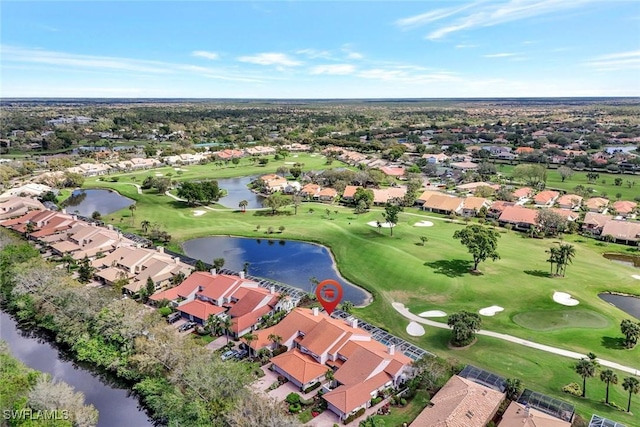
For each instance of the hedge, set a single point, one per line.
(311, 387)
(352, 417)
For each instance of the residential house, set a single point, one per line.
(466, 165)
(523, 194)
(546, 198)
(292, 187)
(260, 150)
(460, 402)
(228, 154)
(624, 208)
(524, 150)
(382, 196)
(567, 214)
(90, 169)
(349, 192)
(327, 194)
(28, 190)
(273, 183)
(310, 191)
(395, 171)
(426, 195)
(520, 218)
(569, 201)
(519, 415)
(316, 342)
(472, 187)
(16, 206)
(444, 204)
(622, 231)
(471, 205)
(597, 204)
(594, 222)
(436, 158)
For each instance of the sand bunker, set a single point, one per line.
(383, 224)
(636, 276)
(159, 174)
(415, 329)
(490, 311)
(289, 163)
(198, 213)
(433, 313)
(423, 224)
(564, 299)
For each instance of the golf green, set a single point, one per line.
(547, 320)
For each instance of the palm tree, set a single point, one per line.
(243, 205)
(249, 338)
(586, 369)
(145, 224)
(314, 283)
(276, 339)
(329, 375)
(68, 259)
(245, 268)
(567, 252)
(513, 388)
(226, 324)
(424, 239)
(632, 385)
(213, 324)
(132, 208)
(346, 306)
(609, 377)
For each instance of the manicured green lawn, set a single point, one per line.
(547, 320)
(604, 186)
(401, 415)
(436, 276)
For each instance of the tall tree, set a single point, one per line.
(565, 172)
(226, 325)
(533, 175)
(243, 205)
(481, 242)
(632, 385)
(132, 208)
(218, 263)
(85, 272)
(296, 199)
(145, 224)
(390, 214)
(609, 377)
(275, 202)
(586, 369)
(566, 254)
(513, 388)
(551, 223)
(631, 331)
(463, 327)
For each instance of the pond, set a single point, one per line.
(114, 403)
(85, 202)
(237, 191)
(628, 304)
(629, 260)
(286, 261)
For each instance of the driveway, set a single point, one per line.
(263, 383)
(217, 344)
(325, 419)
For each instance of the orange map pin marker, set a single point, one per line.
(329, 293)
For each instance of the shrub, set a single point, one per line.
(293, 398)
(376, 400)
(573, 388)
(352, 417)
(306, 402)
(294, 408)
(311, 387)
(259, 373)
(403, 401)
(165, 311)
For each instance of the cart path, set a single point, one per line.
(400, 308)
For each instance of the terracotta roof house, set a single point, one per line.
(523, 193)
(310, 191)
(569, 201)
(471, 205)
(460, 403)
(594, 222)
(519, 415)
(14, 207)
(273, 183)
(228, 154)
(396, 171)
(472, 187)
(567, 214)
(426, 195)
(622, 231)
(464, 165)
(363, 366)
(349, 192)
(522, 219)
(498, 207)
(546, 198)
(382, 196)
(596, 204)
(443, 204)
(524, 150)
(327, 194)
(435, 158)
(624, 207)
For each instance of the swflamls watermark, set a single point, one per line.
(30, 414)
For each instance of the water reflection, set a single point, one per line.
(290, 262)
(85, 202)
(237, 191)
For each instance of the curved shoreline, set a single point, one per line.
(334, 265)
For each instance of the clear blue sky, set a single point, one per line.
(320, 49)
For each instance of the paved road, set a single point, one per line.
(400, 308)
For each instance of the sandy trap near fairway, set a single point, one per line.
(382, 224)
(491, 311)
(423, 224)
(433, 313)
(636, 276)
(565, 299)
(199, 213)
(415, 329)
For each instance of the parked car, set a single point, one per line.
(229, 354)
(173, 317)
(187, 326)
(241, 354)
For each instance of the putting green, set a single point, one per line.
(547, 320)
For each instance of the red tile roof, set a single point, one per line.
(518, 215)
(200, 309)
(299, 366)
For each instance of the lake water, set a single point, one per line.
(286, 261)
(115, 405)
(628, 304)
(237, 191)
(629, 260)
(620, 148)
(88, 201)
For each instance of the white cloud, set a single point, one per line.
(500, 55)
(616, 61)
(270, 58)
(205, 54)
(314, 53)
(495, 13)
(432, 16)
(351, 54)
(333, 69)
(466, 46)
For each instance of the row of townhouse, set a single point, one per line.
(381, 196)
(438, 202)
(316, 343)
(205, 294)
(90, 169)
